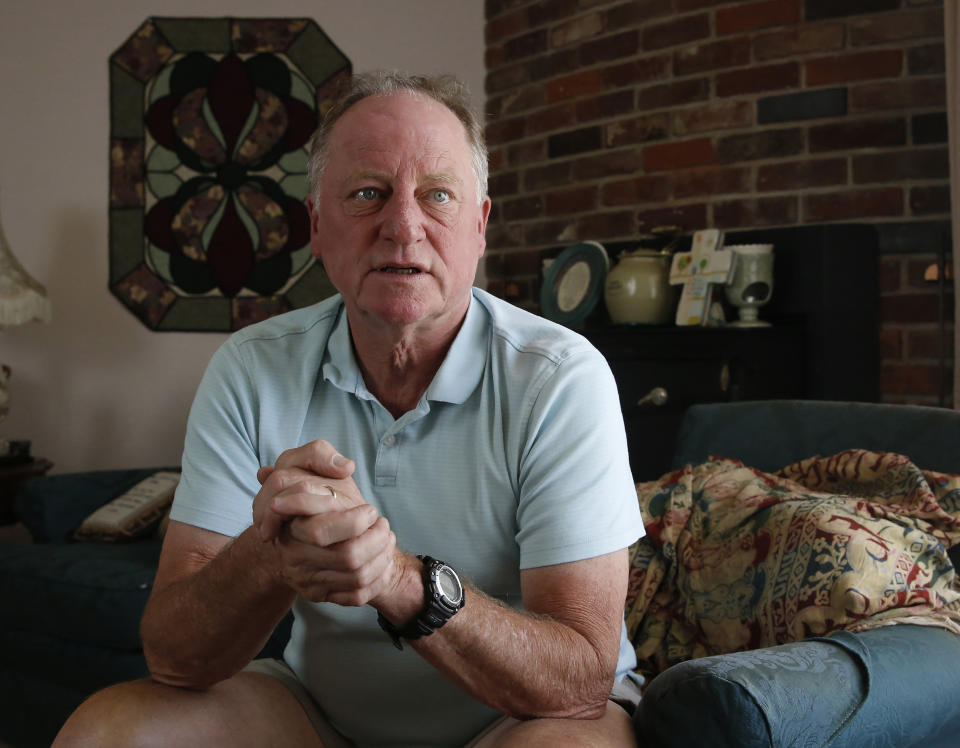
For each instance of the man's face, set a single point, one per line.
(399, 227)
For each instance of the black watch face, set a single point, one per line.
(449, 585)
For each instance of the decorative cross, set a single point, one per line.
(704, 265)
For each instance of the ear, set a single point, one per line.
(482, 225)
(314, 227)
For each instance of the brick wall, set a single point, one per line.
(606, 119)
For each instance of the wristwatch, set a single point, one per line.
(444, 596)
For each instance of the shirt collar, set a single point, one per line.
(455, 380)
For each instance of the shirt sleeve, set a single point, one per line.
(220, 460)
(577, 496)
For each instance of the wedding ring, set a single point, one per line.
(332, 490)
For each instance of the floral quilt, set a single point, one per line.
(737, 559)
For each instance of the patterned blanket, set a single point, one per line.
(737, 559)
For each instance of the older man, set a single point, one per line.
(335, 453)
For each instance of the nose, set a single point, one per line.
(402, 220)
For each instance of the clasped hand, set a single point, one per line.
(332, 546)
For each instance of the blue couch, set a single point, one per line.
(71, 610)
(891, 686)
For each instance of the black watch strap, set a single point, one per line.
(436, 611)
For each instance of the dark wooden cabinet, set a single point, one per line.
(694, 365)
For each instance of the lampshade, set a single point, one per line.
(22, 298)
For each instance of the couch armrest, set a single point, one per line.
(896, 684)
(52, 506)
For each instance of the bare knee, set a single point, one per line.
(118, 715)
(242, 711)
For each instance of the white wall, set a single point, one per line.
(96, 389)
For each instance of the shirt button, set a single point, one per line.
(390, 440)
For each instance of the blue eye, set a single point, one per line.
(366, 194)
(440, 196)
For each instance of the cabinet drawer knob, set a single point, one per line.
(656, 396)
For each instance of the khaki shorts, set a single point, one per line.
(626, 693)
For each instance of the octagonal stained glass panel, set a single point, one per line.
(210, 122)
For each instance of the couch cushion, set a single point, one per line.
(52, 506)
(88, 592)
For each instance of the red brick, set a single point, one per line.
(526, 152)
(494, 57)
(764, 78)
(615, 104)
(684, 5)
(529, 97)
(889, 274)
(717, 115)
(679, 155)
(877, 133)
(750, 16)
(916, 267)
(676, 93)
(836, 206)
(548, 11)
(752, 146)
(799, 40)
(794, 175)
(929, 59)
(712, 181)
(505, 130)
(928, 200)
(506, 26)
(909, 308)
(712, 56)
(576, 30)
(607, 164)
(676, 31)
(551, 175)
(637, 12)
(906, 24)
(925, 163)
(910, 379)
(763, 211)
(637, 72)
(499, 80)
(887, 63)
(505, 183)
(900, 94)
(576, 200)
(891, 344)
(606, 225)
(636, 190)
(553, 65)
(578, 84)
(534, 43)
(613, 47)
(926, 344)
(549, 232)
(688, 217)
(497, 159)
(637, 129)
(552, 118)
(521, 263)
(518, 209)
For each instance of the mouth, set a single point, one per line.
(399, 270)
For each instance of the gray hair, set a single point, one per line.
(446, 89)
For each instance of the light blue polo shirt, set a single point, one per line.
(514, 458)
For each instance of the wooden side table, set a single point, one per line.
(11, 477)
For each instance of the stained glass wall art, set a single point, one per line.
(210, 121)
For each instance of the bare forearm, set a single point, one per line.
(522, 665)
(206, 626)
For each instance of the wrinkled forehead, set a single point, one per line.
(401, 119)
(400, 132)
